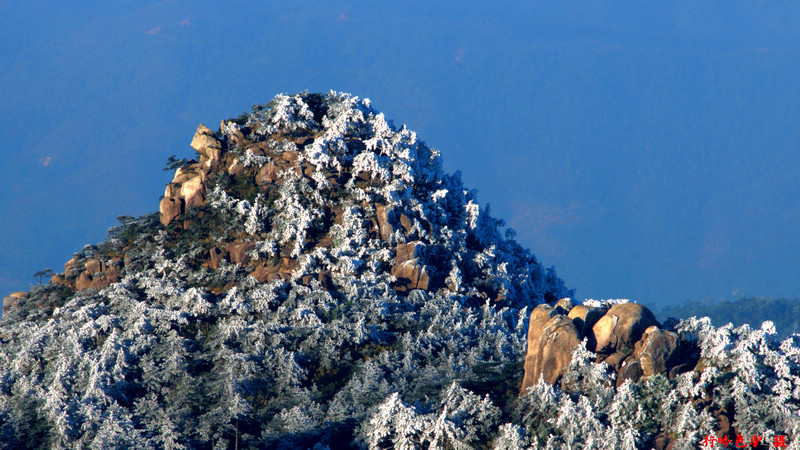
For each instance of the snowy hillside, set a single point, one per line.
(315, 280)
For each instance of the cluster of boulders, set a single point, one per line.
(80, 273)
(626, 336)
(188, 186)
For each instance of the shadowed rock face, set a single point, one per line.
(584, 318)
(631, 369)
(384, 215)
(626, 336)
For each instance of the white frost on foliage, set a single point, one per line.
(288, 113)
(193, 350)
(397, 422)
(345, 114)
(607, 303)
(473, 211)
(249, 159)
(510, 437)
(368, 162)
(230, 128)
(317, 153)
(220, 199)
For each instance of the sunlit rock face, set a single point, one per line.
(625, 336)
(188, 186)
(621, 327)
(552, 337)
(657, 351)
(12, 299)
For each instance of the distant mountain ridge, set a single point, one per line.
(783, 312)
(314, 279)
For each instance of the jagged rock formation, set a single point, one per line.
(552, 337)
(188, 186)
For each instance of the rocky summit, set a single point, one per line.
(314, 279)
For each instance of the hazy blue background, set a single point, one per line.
(648, 150)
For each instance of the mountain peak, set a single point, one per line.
(314, 279)
(312, 188)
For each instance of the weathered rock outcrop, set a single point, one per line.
(620, 328)
(552, 337)
(188, 186)
(82, 274)
(657, 351)
(408, 269)
(626, 337)
(385, 217)
(209, 147)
